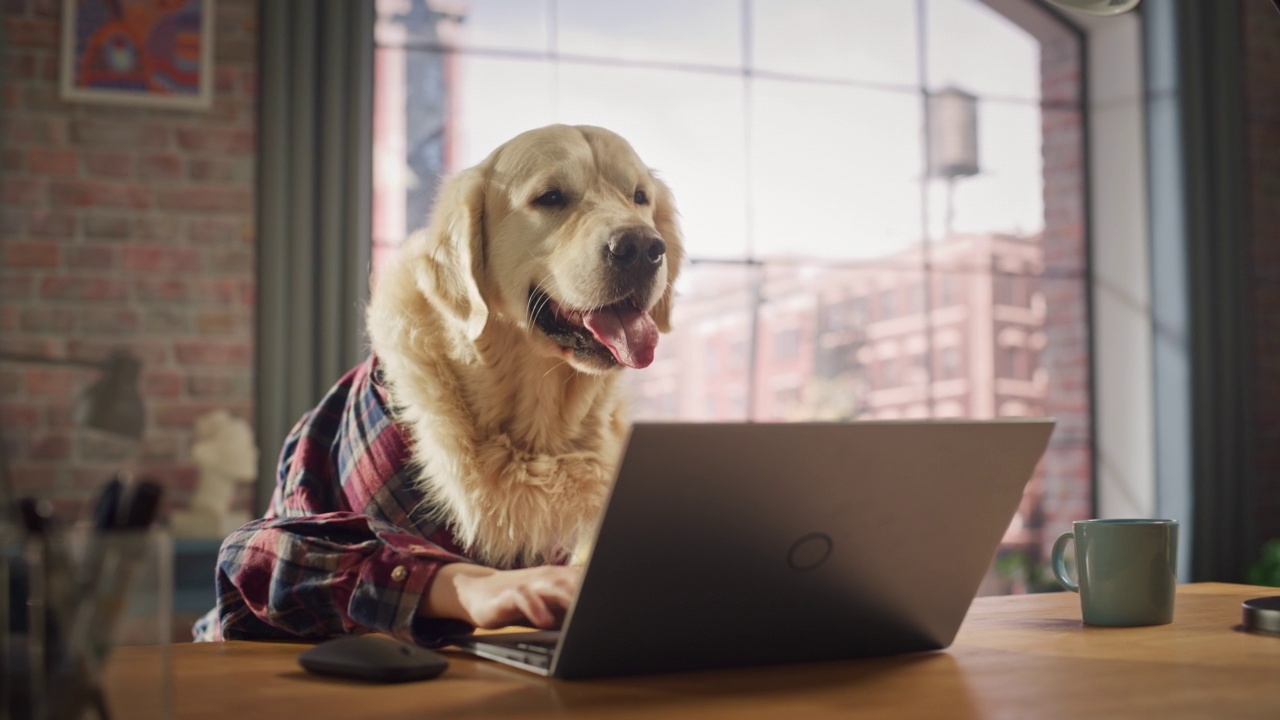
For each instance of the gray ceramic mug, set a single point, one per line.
(1128, 570)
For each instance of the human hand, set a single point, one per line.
(488, 598)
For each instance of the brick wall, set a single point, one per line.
(1262, 135)
(123, 226)
(1068, 464)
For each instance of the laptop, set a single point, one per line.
(726, 545)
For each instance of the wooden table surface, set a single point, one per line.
(1015, 657)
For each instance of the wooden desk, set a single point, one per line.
(1015, 657)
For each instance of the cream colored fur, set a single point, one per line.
(514, 437)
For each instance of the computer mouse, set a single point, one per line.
(373, 658)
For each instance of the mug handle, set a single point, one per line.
(1060, 567)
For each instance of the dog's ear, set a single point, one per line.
(453, 271)
(667, 221)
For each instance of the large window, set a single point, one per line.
(882, 201)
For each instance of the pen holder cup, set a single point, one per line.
(91, 626)
(13, 617)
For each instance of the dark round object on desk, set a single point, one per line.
(373, 658)
(1262, 615)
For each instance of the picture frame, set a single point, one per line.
(156, 53)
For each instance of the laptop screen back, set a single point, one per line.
(726, 545)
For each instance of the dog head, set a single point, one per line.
(565, 234)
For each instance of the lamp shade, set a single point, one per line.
(112, 403)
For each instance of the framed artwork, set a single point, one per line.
(138, 52)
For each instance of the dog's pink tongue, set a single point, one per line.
(628, 332)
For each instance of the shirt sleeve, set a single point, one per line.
(329, 574)
(330, 558)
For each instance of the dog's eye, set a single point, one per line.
(550, 198)
(641, 198)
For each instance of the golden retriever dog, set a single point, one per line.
(502, 328)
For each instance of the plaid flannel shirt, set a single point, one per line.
(349, 543)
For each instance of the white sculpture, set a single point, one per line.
(226, 454)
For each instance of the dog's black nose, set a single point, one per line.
(628, 247)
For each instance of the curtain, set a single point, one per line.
(314, 194)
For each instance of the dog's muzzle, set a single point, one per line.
(634, 255)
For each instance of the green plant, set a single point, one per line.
(1267, 570)
(1016, 566)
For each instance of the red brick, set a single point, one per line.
(13, 222)
(151, 228)
(203, 386)
(8, 318)
(168, 447)
(108, 320)
(225, 79)
(226, 110)
(103, 226)
(50, 447)
(50, 68)
(21, 413)
(82, 287)
(102, 257)
(12, 382)
(32, 32)
(169, 289)
(61, 413)
(161, 383)
(182, 413)
(34, 130)
(13, 161)
(237, 47)
(166, 321)
(45, 161)
(217, 231)
(13, 97)
(117, 134)
(96, 193)
(235, 261)
(219, 322)
(206, 199)
(151, 353)
(48, 319)
(51, 224)
(160, 166)
(89, 477)
(223, 291)
(43, 98)
(108, 164)
(235, 141)
(202, 352)
(21, 190)
(52, 381)
(17, 287)
(22, 64)
(161, 258)
(221, 170)
(173, 475)
(30, 254)
(31, 345)
(104, 446)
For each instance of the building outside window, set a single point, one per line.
(824, 214)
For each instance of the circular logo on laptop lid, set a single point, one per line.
(809, 551)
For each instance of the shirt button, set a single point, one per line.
(399, 574)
